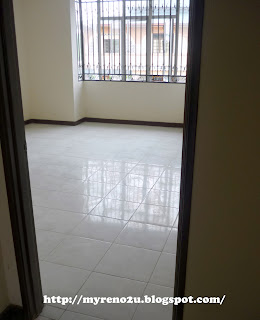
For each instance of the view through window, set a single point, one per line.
(132, 40)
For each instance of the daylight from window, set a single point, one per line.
(137, 40)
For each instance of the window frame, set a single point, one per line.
(173, 44)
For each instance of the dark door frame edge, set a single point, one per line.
(14, 153)
(188, 150)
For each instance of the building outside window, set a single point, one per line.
(132, 40)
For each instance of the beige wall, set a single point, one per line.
(47, 46)
(20, 23)
(223, 257)
(46, 37)
(135, 101)
(3, 290)
(9, 283)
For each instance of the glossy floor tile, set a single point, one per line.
(64, 201)
(78, 252)
(61, 281)
(163, 273)
(147, 169)
(103, 285)
(52, 312)
(106, 201)
(129, 262)
(140, 181)
(47, 241)
(171, 244)
(163, 198)
(155, 311)
(158, 215)
(56, 220)
(100, 228)
(93, 188)
(117, 209)
(68, 315)
(146, 236)
(128, 193)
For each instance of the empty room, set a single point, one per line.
(103, 90)
(129, 184)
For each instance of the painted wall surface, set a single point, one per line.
(4, 301)
(47, 36)
(80, 108)
(9, 282)
(47, 49)
(223, 256)
(135, 101)
(19, 12)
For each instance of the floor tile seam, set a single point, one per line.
(70, 266)
(66, 235)
(153, 224)
(151, 189)
(87, 214)
(84, 314)
(76, 212)
(160, 256)
(114, 242)
(59, 242)
(66, 192)
(146, 283)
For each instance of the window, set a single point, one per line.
(111, 45)
(158, 42)
(132, 40)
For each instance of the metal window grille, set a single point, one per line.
(132, 40)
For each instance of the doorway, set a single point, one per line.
(14, 120)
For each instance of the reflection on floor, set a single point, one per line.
(106, 210)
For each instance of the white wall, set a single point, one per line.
(9, 282)
(224, 230)
(20, 21)
(46, 37)
(49, 57)
(135, 101)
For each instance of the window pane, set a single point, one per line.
(132, 40)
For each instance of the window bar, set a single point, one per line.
(123, 43)
(104, 58)
(152, 42)
(93, 41)
(182, 36)
(99, 39)
(169, 54)
(141, 35)
(135, 37)
(164, 36)
(114, 36)
(130, 38)
(148, 39)
(119, 41)
(109, 37)
(176, 39)
(82, 41)
(158, 39)
(170, 43)
(87, 18)
(78, 40)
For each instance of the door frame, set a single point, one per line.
(14, 152)
(13, 145)
(196, 18)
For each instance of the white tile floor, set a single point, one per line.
(106, 212)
